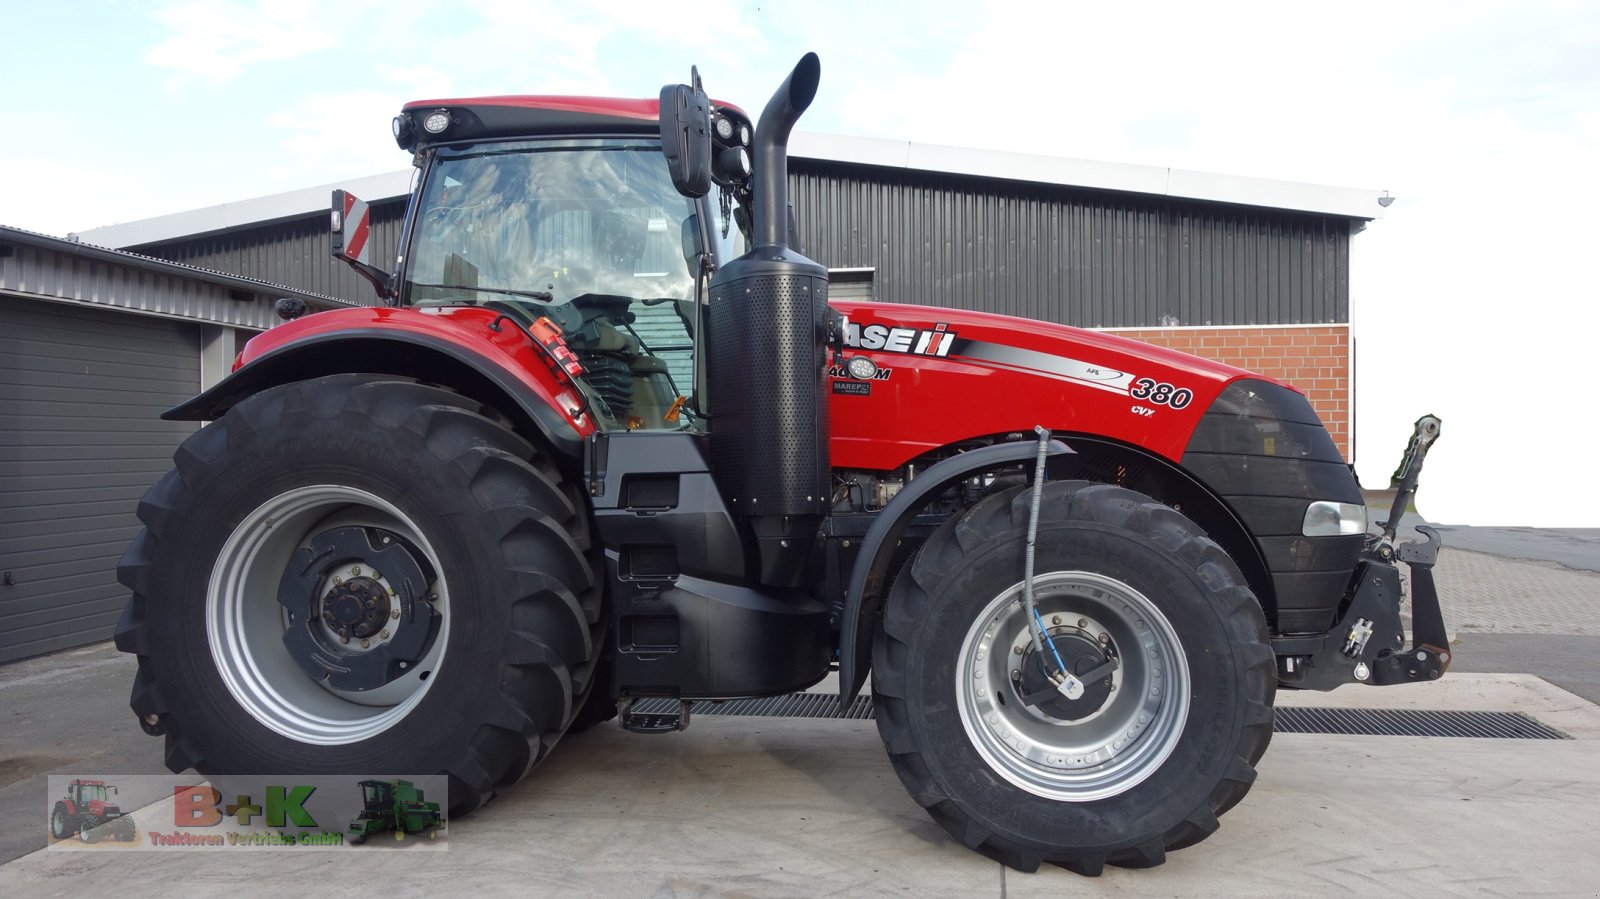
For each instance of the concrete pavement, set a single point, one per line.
(774, 807)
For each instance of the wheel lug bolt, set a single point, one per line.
(1055, 619)
(1017, 650)
(337, 580)
(386, 541)
(1105, 638)
(394, 613)
(1083, 622)
(365, 643)
(1015, 674)
(383, 635)
(355, 570)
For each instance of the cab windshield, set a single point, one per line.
(589, 234)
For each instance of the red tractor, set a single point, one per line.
(606, 439)
(87, 813)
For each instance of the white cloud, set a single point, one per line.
(218, 40)
(345, 133)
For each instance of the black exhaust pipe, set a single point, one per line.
(771, 151)
(768, 400)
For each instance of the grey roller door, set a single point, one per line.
(80, 440)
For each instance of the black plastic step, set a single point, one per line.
(661, 719)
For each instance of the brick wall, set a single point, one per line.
(1313, 358)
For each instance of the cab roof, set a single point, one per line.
(516, 115)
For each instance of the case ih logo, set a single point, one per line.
(936, 342)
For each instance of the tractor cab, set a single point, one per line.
(574, 220)
(86, 792)
(588, 235)
(376, 796)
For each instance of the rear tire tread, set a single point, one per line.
(541, 521)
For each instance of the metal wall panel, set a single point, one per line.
(80, 441)
(1080, 257)
(35, 271)
(293, 252)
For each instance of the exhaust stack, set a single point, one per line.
(766, 372)
(771, 150)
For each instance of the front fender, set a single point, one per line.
(867, 577)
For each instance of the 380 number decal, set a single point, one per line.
(1161, 394)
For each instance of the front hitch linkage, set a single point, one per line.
(1429, 655)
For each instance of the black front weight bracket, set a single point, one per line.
(1429, 655)
(1368, 644)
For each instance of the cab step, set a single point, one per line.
(654, 722)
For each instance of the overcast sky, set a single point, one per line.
(1474, 298)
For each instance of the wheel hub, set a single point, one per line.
(1081, 655)
(357, 608)
(359, 613)
(1104, 742)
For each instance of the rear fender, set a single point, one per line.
(505, 383)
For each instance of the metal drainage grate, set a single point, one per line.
(1414, 723)
(1290, 720)
(794, 705)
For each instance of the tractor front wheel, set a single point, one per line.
(358, 574)
(1174, 711)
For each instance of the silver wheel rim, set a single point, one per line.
(1107, 752)
(245, 622)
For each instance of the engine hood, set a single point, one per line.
(940, 376)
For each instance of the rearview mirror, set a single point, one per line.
(686, 136)
(350, 225)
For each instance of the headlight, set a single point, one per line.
(734, 163)
(1330, 519)
(437, 121)
(861, 368)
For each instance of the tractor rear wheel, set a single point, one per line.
(1147, 756)
(62, 824)
(358, 574)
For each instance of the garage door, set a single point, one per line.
(80, 392)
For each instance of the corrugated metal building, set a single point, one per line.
(94, 343)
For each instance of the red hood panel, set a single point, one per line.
(947, 375)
